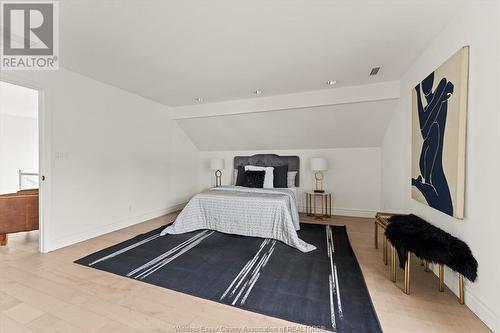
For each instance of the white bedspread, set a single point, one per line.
(266, 213)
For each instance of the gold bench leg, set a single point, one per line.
(426, 266)
(393, 263)
(441, 277)
(385, 250)
(407, 273)
(461, 291)
(376, 235)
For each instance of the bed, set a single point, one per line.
(256, 212)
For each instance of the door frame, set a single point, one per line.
(44, 152)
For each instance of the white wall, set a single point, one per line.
(478, 26)
(112, 158)
(353, 176)
(18, 150)
(18, 135)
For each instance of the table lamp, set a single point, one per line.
(318, 165)
(217, 164)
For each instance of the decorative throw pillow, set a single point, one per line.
(280, 176)
(235, 176)
(241, 179)
(291, 175)
(255, 178)
(268, 179)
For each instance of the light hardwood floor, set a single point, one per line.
(48, 293)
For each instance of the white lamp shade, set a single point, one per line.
(216, 164)
(318, 164)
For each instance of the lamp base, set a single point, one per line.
(218, 178)
(319, 182)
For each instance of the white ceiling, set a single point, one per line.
(18, 101)
(174, 51)
(350, 125)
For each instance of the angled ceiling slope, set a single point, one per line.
(352, 125)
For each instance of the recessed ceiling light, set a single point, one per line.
(198, 99)
(331, 82)
(258, 92)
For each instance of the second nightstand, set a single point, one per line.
(326, 204)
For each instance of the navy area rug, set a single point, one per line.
(323, 288)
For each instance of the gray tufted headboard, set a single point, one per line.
(270, 160)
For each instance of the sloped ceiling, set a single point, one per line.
(350, 125)
(174, 51)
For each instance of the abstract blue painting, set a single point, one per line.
(438, 145)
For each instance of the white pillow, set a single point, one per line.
(235, 176)
(290, 178)
(268, 178)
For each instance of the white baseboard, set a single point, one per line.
(484, 312)
(354, 212)
(52, 245)
(348, 212)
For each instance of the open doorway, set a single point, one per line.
(19, 167)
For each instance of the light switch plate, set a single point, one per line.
(62, 155)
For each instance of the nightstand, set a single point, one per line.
(326, 204)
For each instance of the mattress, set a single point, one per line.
(255, 212)
(295, 191)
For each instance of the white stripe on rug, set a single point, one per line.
(166, 254)
(125, 249)
(168, 260)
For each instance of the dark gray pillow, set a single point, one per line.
(255, 178)
(241, 179)
(280, 174)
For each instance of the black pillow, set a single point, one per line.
(280, 174)
(241, 179)
(255, 178)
